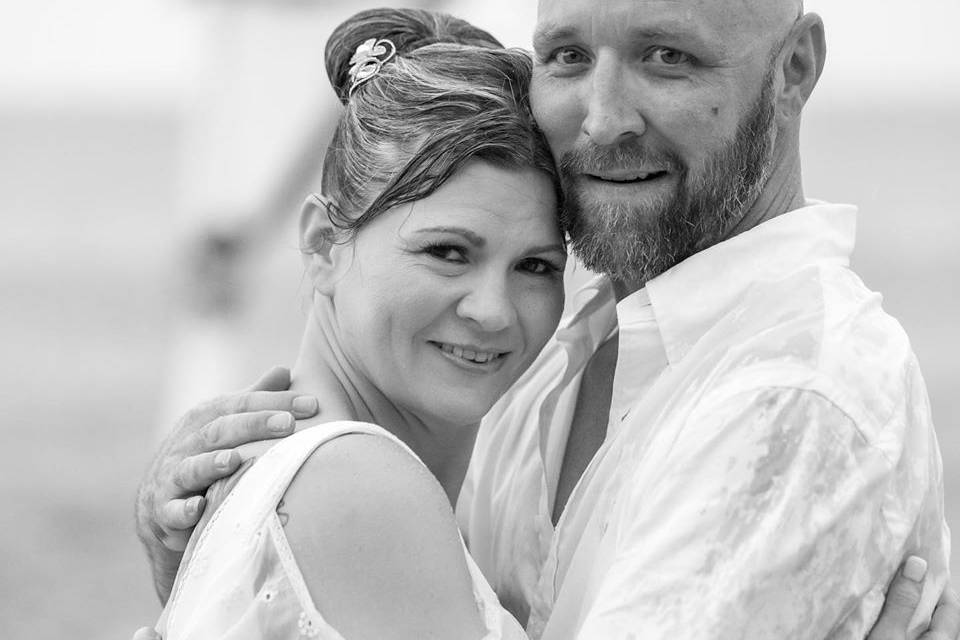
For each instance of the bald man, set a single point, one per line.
(728, 438)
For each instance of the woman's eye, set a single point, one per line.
(568, 56)
(446, 252)
(539, 267)
(669, 57)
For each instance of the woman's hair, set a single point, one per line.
(451, 94)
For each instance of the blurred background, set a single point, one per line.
(153, 154)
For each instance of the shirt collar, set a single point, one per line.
(690, 297)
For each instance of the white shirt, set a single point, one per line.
(769, 456)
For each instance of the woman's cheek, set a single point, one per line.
(543, 308)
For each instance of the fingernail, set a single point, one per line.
(222, 459)
(915, 569)
(279, 422)
(305, 406)
(193, 505)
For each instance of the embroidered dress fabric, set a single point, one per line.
(242, 580)
(769, 458)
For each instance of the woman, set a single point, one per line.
(435, 259)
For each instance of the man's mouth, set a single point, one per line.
(475, 355)
(627, 177)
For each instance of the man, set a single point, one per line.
(728, 437)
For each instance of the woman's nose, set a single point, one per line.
(489, 304)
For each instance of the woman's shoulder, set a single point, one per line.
(368, 523)
(362, 480)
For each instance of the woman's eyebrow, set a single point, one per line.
(469, 235)
(547, 248)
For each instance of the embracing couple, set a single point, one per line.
(726, 437)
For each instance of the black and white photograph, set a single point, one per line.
(480, 319)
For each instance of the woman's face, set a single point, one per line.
(444, 303)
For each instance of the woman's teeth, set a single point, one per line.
(480, 357)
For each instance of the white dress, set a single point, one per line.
(242, 580)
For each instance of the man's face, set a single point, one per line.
(660, 114)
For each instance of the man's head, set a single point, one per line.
(675, 122)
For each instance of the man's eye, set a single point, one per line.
(669, 57)
(568, 56)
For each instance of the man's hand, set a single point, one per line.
(200, 451)
(902, 600)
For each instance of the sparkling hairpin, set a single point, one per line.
(368, 59)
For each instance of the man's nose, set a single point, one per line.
(488, 303)
(613, 106)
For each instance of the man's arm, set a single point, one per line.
(768, 515)
(200, 451)
(901, 603)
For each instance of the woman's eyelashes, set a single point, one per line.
(446, 252)
(540, 267)
(454, 254)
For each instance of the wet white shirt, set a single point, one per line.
(769, 455)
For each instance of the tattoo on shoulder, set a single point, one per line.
(282, 515)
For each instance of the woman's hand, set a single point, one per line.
(200, 451)
(902, 600)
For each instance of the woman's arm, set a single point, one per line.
(375, 538)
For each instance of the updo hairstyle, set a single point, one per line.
(451, 94)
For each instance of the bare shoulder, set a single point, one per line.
(377, 543)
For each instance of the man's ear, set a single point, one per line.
(804, 53)
(321, 253)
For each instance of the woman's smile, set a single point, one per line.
(473, 358)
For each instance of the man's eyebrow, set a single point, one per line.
(670, 29)
(665, 31)
(551, 33)
(467, 234)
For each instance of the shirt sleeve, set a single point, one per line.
(766, 518)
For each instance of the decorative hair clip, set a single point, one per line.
(368, 59)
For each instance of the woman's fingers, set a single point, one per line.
(146, 633)
(901, 601)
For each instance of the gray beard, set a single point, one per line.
(635, 243)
